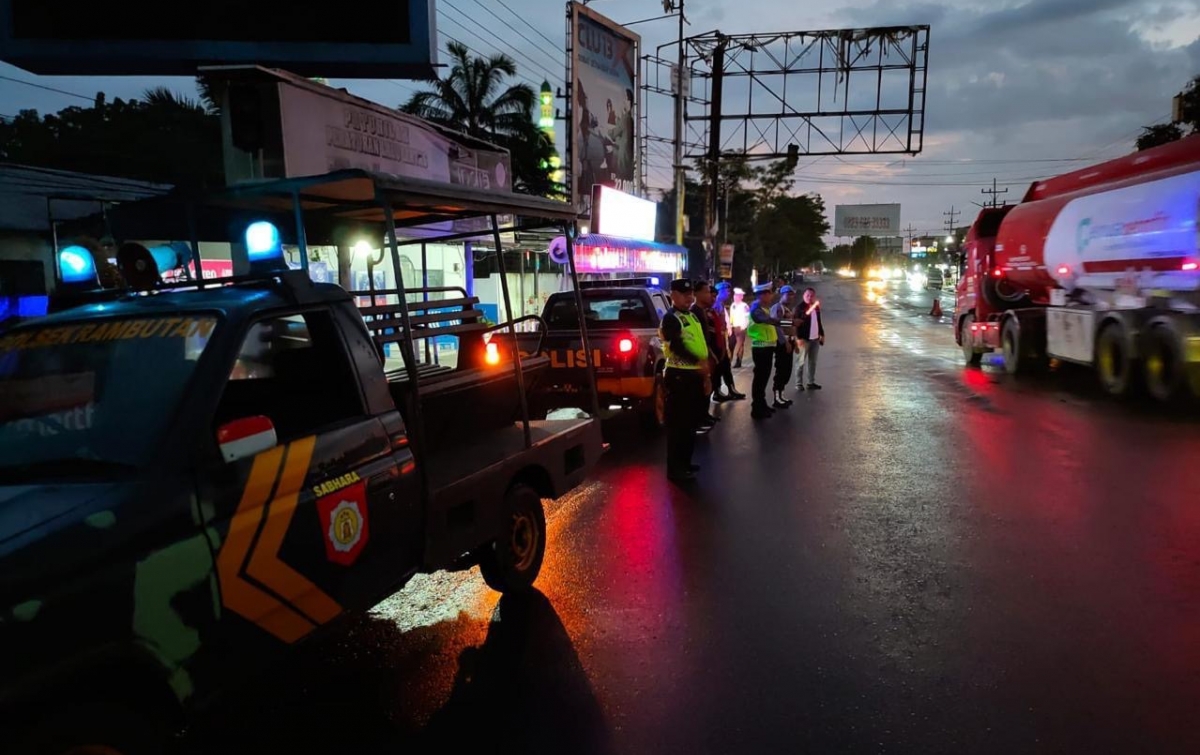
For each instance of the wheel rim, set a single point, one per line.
(525, 538)
(1161, 369)
(1155, 367)
(1109, 359)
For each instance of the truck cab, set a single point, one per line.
(980, 293)
(197, 476)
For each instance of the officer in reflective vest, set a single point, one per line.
(686, 355)
(763, 339)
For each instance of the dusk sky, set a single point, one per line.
(1017, 90)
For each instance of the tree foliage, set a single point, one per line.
(1156, 136)
(771, 228)
(162, 137)
(1188, 123)
(477, 99)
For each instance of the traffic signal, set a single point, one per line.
(793, 156)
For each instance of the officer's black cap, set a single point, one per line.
(681, 285)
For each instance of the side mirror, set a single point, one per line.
(246, 437)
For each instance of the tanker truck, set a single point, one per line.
(1099, 267)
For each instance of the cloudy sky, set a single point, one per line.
(1018, 89)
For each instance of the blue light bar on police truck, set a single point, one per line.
(77, 267)
(264, 247)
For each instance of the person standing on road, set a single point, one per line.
(739, 320)
(810, 332)
(786, 344)
(703, 293)
(686, 355)
(724, 370)
(763, 339)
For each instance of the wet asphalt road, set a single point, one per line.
(917, 558)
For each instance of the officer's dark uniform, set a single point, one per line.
(686, 403)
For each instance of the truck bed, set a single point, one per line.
(467, 486)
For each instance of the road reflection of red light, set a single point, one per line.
(976, 379)
(641, 530)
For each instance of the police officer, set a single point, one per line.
(782, 311)
(763, 340)
(686, 355)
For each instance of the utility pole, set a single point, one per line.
(677, 5)
(714, 155)
(951, 220)
(994, 193)
(910, 231)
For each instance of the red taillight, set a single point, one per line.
(974, 328)
(493, 353)
(625, 345)
(997, 273)
(1064, 270)
(1191, 265)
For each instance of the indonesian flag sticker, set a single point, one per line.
(344, 523)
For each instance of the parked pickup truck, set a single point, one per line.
(194, 478)
(622, 318)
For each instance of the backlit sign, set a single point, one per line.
(615, 213)
(601, 259)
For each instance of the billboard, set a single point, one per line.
(866, 220)
(615, 213)
(324, 129)
(378, 39)
(603, 105)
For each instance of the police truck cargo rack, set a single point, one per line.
(210, 471)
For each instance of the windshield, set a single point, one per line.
(603, 310)
(95, 393)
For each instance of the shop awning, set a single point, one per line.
(597, 253)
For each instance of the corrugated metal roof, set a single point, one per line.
(29, 194)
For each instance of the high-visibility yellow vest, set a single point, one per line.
(761, 334)
(693, 341)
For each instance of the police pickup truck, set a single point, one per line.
(622, 318)
(195, 477)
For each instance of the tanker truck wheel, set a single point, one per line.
(1163, 366)
(1114, 364)
(1023, 354)
(1010, 344)
(971, 357)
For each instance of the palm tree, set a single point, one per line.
(162, 97)
(475, 100)
(471, 100)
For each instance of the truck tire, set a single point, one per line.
(653, 412)
(971, 357)
(1023, 351)
(1114, 364)
(1010, 346)
(94, 729)
(512, 562)
(1163, 367)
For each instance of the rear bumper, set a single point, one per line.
(626, 387)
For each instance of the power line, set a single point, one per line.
(866, 182)
(522, 19)
(48, 89)
(510, 26)
(445, 47)
(537, 66)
